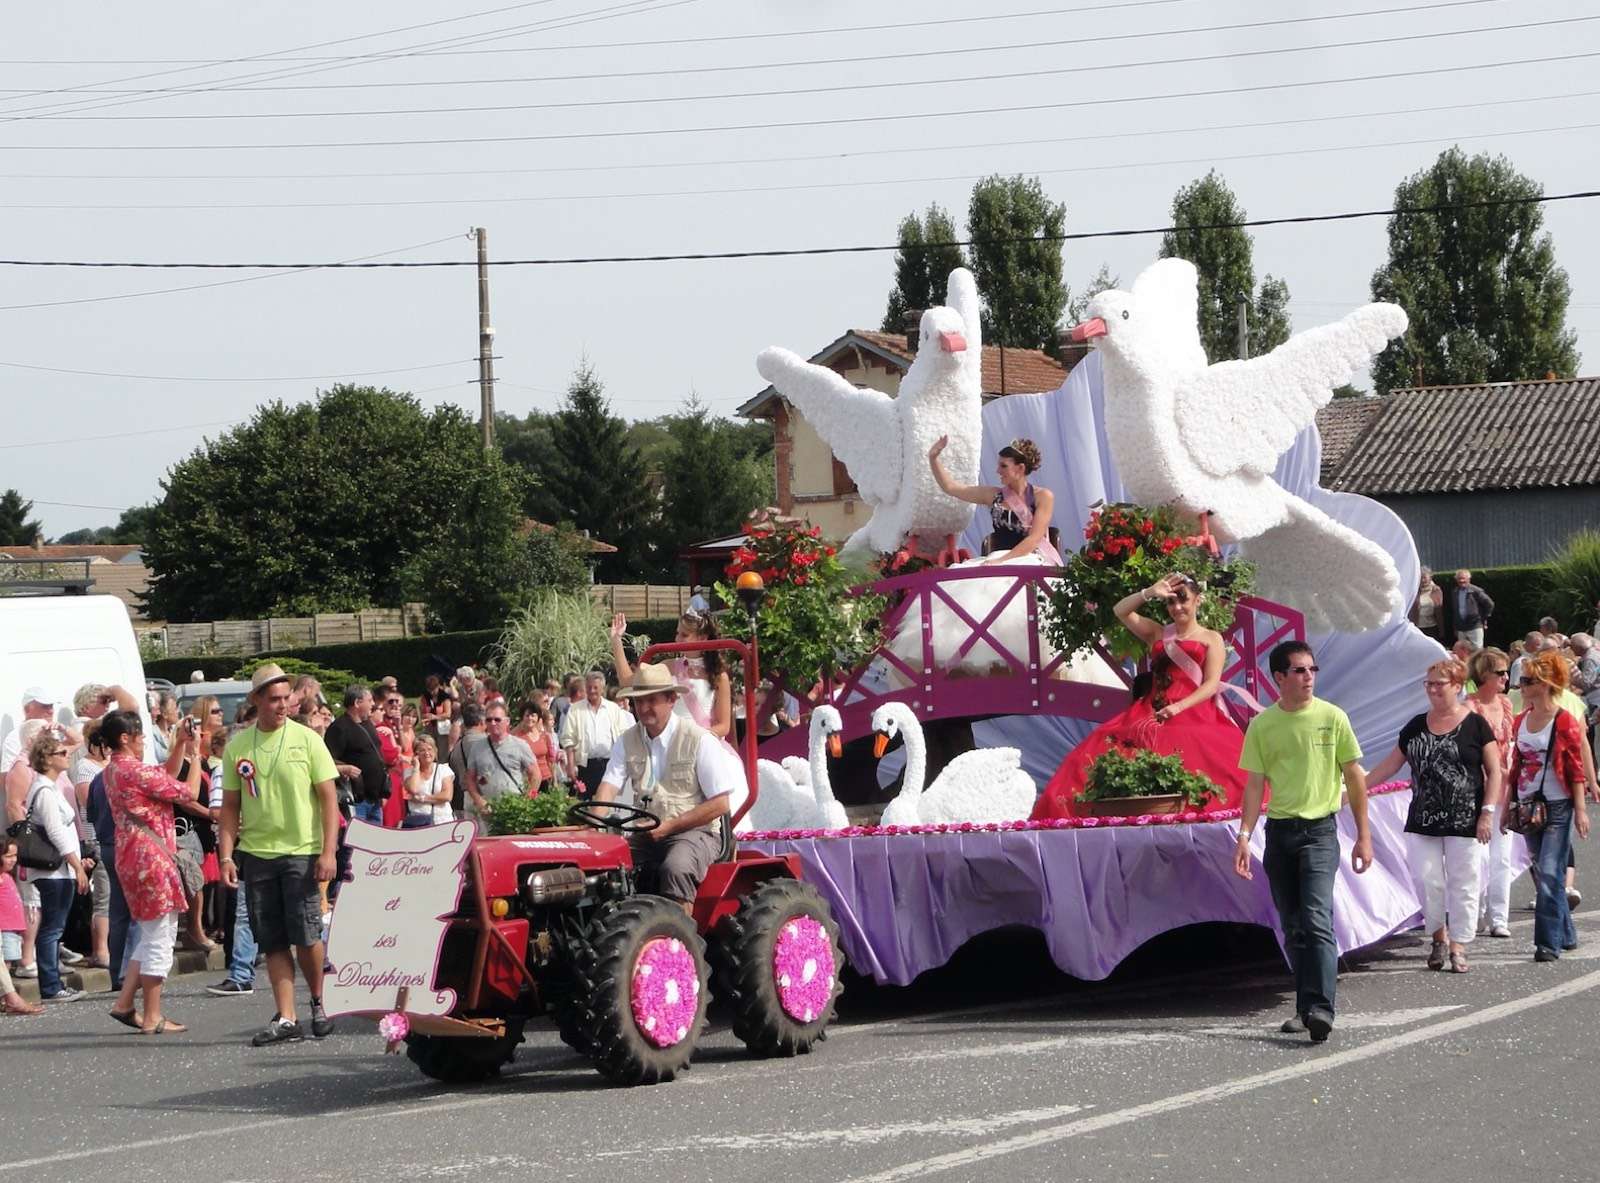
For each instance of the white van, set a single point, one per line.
(59, 643)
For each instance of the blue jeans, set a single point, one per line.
(55, 905)
(242, 965)
(1301, 858)
(368, 811)
(118, 940)
(1553, 929)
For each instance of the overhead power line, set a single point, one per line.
(809, 91)
(851, 120)
(876, 59)
(747, 161)
(778, 253)
(798, 187)
(439, 365)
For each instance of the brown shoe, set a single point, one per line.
(1438, 955)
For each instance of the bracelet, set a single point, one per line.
(1489, 809)
(229, 861)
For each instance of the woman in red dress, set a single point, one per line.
(1179, 715)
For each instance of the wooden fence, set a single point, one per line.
(643, 600)
(263, 636)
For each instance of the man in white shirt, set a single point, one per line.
(590, 732)
(683, 775)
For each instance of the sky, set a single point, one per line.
(297, 132)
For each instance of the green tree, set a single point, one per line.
(318, 506)
(1205, 217)
(1480, 283)
(16, 529)
(922, 271)
(707, 487)
(130, 529)
(1078, 306)
(597, 480)
(1016, 258)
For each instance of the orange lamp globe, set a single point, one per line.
(749, 581)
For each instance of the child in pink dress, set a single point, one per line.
(13, 922)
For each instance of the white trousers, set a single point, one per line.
(1450, 870)
(1497, 874)
(152, 944)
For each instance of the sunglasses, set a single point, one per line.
(1434, 684)
(1525, 680)
(1499, 673)
(1303, 669)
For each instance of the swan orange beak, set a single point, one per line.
(952, 342)
(835, 746)
(1088, 330)
(880, 744)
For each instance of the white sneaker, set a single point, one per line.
(1574, 897)
(68, 957)
(1499, 930)
(68, 994)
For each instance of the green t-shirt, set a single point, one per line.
(283, 816)
(1301, 754)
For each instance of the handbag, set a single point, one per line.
(34, 848)
(1530, 815)
(189, 869)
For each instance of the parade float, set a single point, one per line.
(1224, 460)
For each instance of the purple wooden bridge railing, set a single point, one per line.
(1028, 685)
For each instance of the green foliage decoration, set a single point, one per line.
(517, 813)
(1126, 549)
(1132, 771)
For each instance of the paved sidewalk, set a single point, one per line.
(98, 981)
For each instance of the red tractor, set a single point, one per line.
(553, 923)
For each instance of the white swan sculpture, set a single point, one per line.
(988, 785)
(799, 794)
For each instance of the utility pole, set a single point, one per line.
(1244, 322)
(485, 341)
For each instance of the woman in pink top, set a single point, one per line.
(142, 799)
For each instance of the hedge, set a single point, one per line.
(1520, 596)
(410, 659)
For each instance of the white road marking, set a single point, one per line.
(972, 1155)
(789, 1140)
(1347, 1022)
(987, 1050)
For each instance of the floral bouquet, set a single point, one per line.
(1138, 772)
(1126, 549)
(811, 620)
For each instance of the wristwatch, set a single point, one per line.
(1489, 809)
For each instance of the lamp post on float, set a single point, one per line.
(751, 590)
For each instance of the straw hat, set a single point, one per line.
(652, 679)
(266, 675)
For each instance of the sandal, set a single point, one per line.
(164, 1027)
(1458, 961)
(128, 1018)
(21, 1007)
(1437, 956)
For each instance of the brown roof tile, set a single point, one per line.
(1340, 424)
(1498, 435)
(110, 553)
(1026, 371)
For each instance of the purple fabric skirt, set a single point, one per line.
(906, 902)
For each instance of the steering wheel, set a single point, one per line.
(633, 821)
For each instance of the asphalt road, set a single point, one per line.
(997, 1068)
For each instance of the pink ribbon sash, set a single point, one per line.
(1019, 509)
(1191, 670)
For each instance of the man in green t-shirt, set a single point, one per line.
(280, 816)
(1303, 747)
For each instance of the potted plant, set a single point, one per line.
(1128, 781)
(516, 813)
(1126, 549)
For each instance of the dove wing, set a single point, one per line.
(1245, 414)
(861, 426)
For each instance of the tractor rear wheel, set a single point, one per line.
(776, 964)
(637, 1005)
(455, 1059)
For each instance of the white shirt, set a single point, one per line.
(716, 768)
(53, 813)
(698, 603)
(439, 780)
(593, 731)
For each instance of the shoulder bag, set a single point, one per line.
(1529, 815)
(34, 848)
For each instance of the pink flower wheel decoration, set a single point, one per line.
(803, 967)
(665, 992)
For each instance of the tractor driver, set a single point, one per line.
(681, 773)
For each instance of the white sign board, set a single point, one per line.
(390, 920)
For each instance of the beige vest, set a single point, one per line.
(675, 789)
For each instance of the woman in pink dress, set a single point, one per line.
(1178, 715)
(142, 798)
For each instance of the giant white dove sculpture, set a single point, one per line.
(1206, 438)
(884, 441)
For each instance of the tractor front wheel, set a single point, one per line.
(462, 1059)
(638, 1001)
(776, 964)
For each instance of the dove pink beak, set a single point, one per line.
(952, 342)
(1088, 330)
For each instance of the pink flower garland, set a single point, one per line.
(803, 966)
(394, 1027)
(1188, 817)
(665, 992)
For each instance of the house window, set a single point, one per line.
(842, 484)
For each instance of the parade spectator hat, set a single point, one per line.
(266, 675)
(39, 695)
(651, 679)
